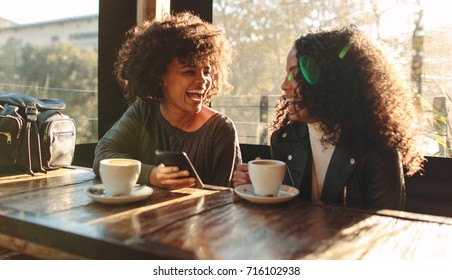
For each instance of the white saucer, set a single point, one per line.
(285, 193)
(99, 195)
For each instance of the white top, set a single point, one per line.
(321, 157)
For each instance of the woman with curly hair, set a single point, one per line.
(170, 69)
(344, 124)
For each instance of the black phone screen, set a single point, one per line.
(181, 160)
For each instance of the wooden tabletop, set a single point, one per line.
(49, 216)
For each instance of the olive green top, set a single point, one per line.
(213, 149)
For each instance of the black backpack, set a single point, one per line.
(34, 135)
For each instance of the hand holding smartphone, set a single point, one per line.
(181, 160)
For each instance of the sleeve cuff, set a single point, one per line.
(143, 179)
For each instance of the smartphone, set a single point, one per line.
(181, 160)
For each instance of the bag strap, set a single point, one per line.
(22, 100)
(31, 112)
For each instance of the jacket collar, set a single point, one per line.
(339, 171)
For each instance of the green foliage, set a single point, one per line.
(58, 71)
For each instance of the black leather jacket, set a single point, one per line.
(370, 180)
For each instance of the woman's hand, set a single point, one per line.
(240, 175)
(170, 177)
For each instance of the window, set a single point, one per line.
(49, 50)
(418, 32)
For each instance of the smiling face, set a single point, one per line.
(185, 87)
(297, 112)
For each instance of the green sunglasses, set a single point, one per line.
(310, 69)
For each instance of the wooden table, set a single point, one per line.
(49, 216)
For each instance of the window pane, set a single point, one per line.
(418, 33)
(48, 49)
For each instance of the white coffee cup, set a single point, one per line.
(119, 175)
(266, 175)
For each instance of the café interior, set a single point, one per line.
(49, 216)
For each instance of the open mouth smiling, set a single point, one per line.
(196, 95)
(293, 100)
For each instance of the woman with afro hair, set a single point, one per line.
(344, 124)
(170, 70)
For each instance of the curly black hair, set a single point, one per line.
(150, 46)
(360, 99)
